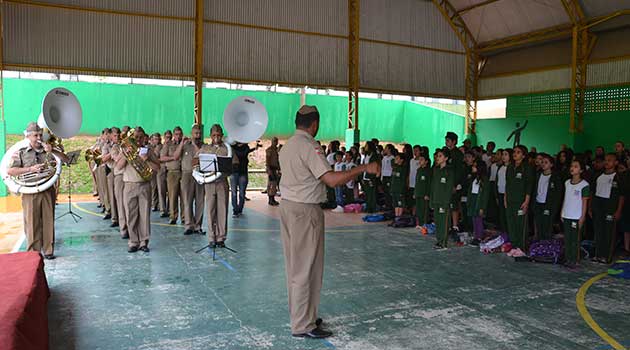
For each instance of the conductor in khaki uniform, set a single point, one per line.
(305, 175)
(38, 208)
(137, 197)
(192, 192)
(216, 192)
(173, 174)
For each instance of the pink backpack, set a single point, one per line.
(352, 208)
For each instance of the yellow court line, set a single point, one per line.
(581, 306)
(181, 226)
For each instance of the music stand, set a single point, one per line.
(72, 159)
(216, 164)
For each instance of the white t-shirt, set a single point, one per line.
(543, 185)
(493, 172)
(331, 158)
(605, 183)
(487, 158)
(350, 184)
(501, 179)
(475, 187)
(573, 194)
(341, 166)
(413, 170)
(386, 166)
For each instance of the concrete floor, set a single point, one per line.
(383, 289)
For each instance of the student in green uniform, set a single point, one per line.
(492, 212)
(369, 181)
(548, 197)
(469, 159)
(398, 183)
(478, 193)
(606, 209)
(574, 209)
(456, 163)
(520, 179)
(506, 160)
(442, 185)
(422, 189)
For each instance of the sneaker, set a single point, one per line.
(439, 247)
(339, 209)
(316, 333)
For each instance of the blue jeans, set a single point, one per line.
(339, 195)
(238, 182)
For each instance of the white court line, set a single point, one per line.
(19, 242)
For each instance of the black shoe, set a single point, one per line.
(212, 245)
(274, 203)
(264, 192)
(145, 249)
(49, 257)
(172, 222)
(99, 205)
(220, 244)
(188, 232)
(155, 209)
(103, 210)
(164, 215)
(132, 249)
(316, 333)
(124, 236)
(114, 224)
(200, 232)
(247, 199)
(318, 322)
(107, 216)
(439, 247)
(475, 242)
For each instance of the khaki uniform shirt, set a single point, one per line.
(115, 151)
(106, 148)
(303, 162)
(168, 150)
(271, 158)
(188, 153)
(28, 156)
(131, 175)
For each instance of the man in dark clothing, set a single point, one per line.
(239, 179)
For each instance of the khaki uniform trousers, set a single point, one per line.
(217, 198)
(161, 187)
(138, 209)
(113, 199)
(119, 189)
(302, 230)
(194, 203)
(154, 191)
(39, 221)
(173, 178)
(103, 193)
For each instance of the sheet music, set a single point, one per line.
(207, 162)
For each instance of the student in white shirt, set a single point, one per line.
(386, 173)
(547, 198)
(414, 163)
(339, 166)
(606, 209)
(350, 185)
(574, 209)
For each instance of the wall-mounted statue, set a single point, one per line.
(517, 133)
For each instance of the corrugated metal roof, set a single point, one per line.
(605, 73)
(66, 38)
(406, 69)
(321, 16)
(556, 79)
(410, 22)
(593, 8)
(250, 54)
(181, 8)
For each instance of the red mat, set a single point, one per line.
(23, 302)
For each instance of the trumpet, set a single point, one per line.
(129, 149)
(93, 155)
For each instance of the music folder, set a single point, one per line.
(212, 162)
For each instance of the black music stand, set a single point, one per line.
(72, 159)
(224, 165)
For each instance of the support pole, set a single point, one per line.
(199, 63)
(3, 140)
(352, 133)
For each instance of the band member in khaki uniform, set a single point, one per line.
(101, 176)
(161, 178)
(192, 192)
(109, 163)
(155, 147)
(174, 174)
(216, 193)
(119, 188)
(37, 208)
(305, 175)
(137, 197)
(273, 171)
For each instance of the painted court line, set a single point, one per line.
(581, 306)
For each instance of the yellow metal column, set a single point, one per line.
(198, 62)
(352, 134)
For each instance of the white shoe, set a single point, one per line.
(339, 209)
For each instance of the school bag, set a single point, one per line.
(620, 269)
(404, 221)
(547, 251)
(492, 245)
(374, 218)
(389, 215)
(352, 208)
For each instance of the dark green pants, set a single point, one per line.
(543, 219)
(572, 238)
(370, 196)
(466, 221)
(516, 225)
(422, 210)
(604, 227)
(501, 212)
(387, 190)
(442, 216)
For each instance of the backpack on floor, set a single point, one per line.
(404, 221)
(389, 215)
(352, 208)
(547, 251)
(374, 218)
(620, 269)
(490, 245)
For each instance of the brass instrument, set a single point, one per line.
(129, 149)
(93, 155)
